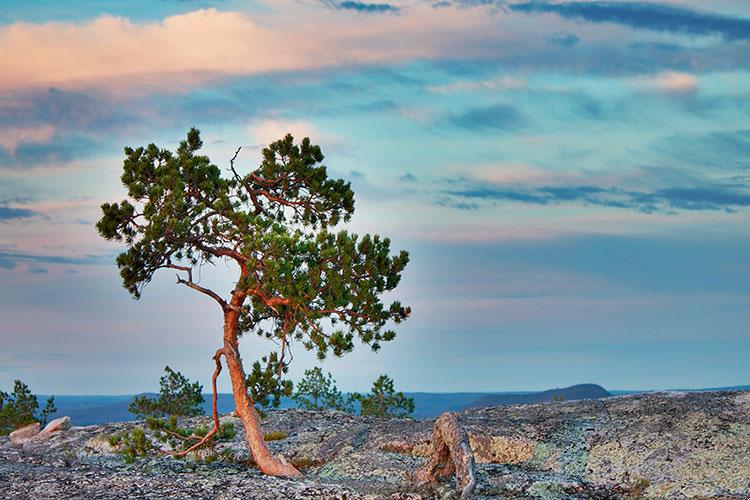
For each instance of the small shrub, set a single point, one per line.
(275, 436)
(131, 444)
(227, 431)
(303, 462)
(181, 438)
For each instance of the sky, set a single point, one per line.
(571, 179)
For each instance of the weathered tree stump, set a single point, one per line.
(451, 454)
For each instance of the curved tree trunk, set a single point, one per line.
(267, 463)
(451, 454)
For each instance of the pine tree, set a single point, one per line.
(264, 382)
(383, 401)
(48, 410)
(318, 391)
(177, 396)
(297, 281)
(17, 409)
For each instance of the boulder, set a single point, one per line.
(24, 434)
(57, 425)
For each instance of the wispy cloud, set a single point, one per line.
(646, 15)
(9, 213)
(563, 39)
(11, 137)
(500, 83)
(671, 82)
(709, 197)
(367, 7)
(498, 116)
(9, 260)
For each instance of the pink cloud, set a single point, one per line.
(189, 49)
(11, 137)
(672, 82)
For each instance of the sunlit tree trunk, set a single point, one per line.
(267, 463)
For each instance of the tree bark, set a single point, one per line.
(451, 454)
(244, 406)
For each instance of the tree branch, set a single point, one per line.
(215, 412)
(191, 284)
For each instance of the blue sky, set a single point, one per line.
(571, 179)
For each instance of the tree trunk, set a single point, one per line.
(244, 406)
(451, 454)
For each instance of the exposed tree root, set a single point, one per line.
(451, 454)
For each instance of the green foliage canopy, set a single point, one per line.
(302, 282)
(383, 401)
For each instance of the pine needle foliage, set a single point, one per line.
(264, 384)
(299, 281)
(383, 400)
(317, 391)
(177, 396)
(18, 408)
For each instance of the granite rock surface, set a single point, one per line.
(657, 445)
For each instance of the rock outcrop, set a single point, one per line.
(57, 425)
(665, 445)
(21, 436)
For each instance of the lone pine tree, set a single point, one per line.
(177, 396)
(297, 281)
(317, 390)
(383, 400)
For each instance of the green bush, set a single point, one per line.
(132, 444)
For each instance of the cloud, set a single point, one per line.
(501, 83)
(646, 15)
(11, 137)
(9, 260)
(122, 57)
(367, 7)
(408, 177)
(563, 39)
(704, 198)
(8, 213)
(672, 82)
(204, 45)
(725, 149)
(266, 130)
(498, 116)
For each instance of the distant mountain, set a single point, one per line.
(574, 392)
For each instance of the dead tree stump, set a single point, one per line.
(451, 454)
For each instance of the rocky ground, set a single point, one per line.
(660, 445)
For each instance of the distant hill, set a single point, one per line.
(574, 392)
(93, 410)
(432, 404)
